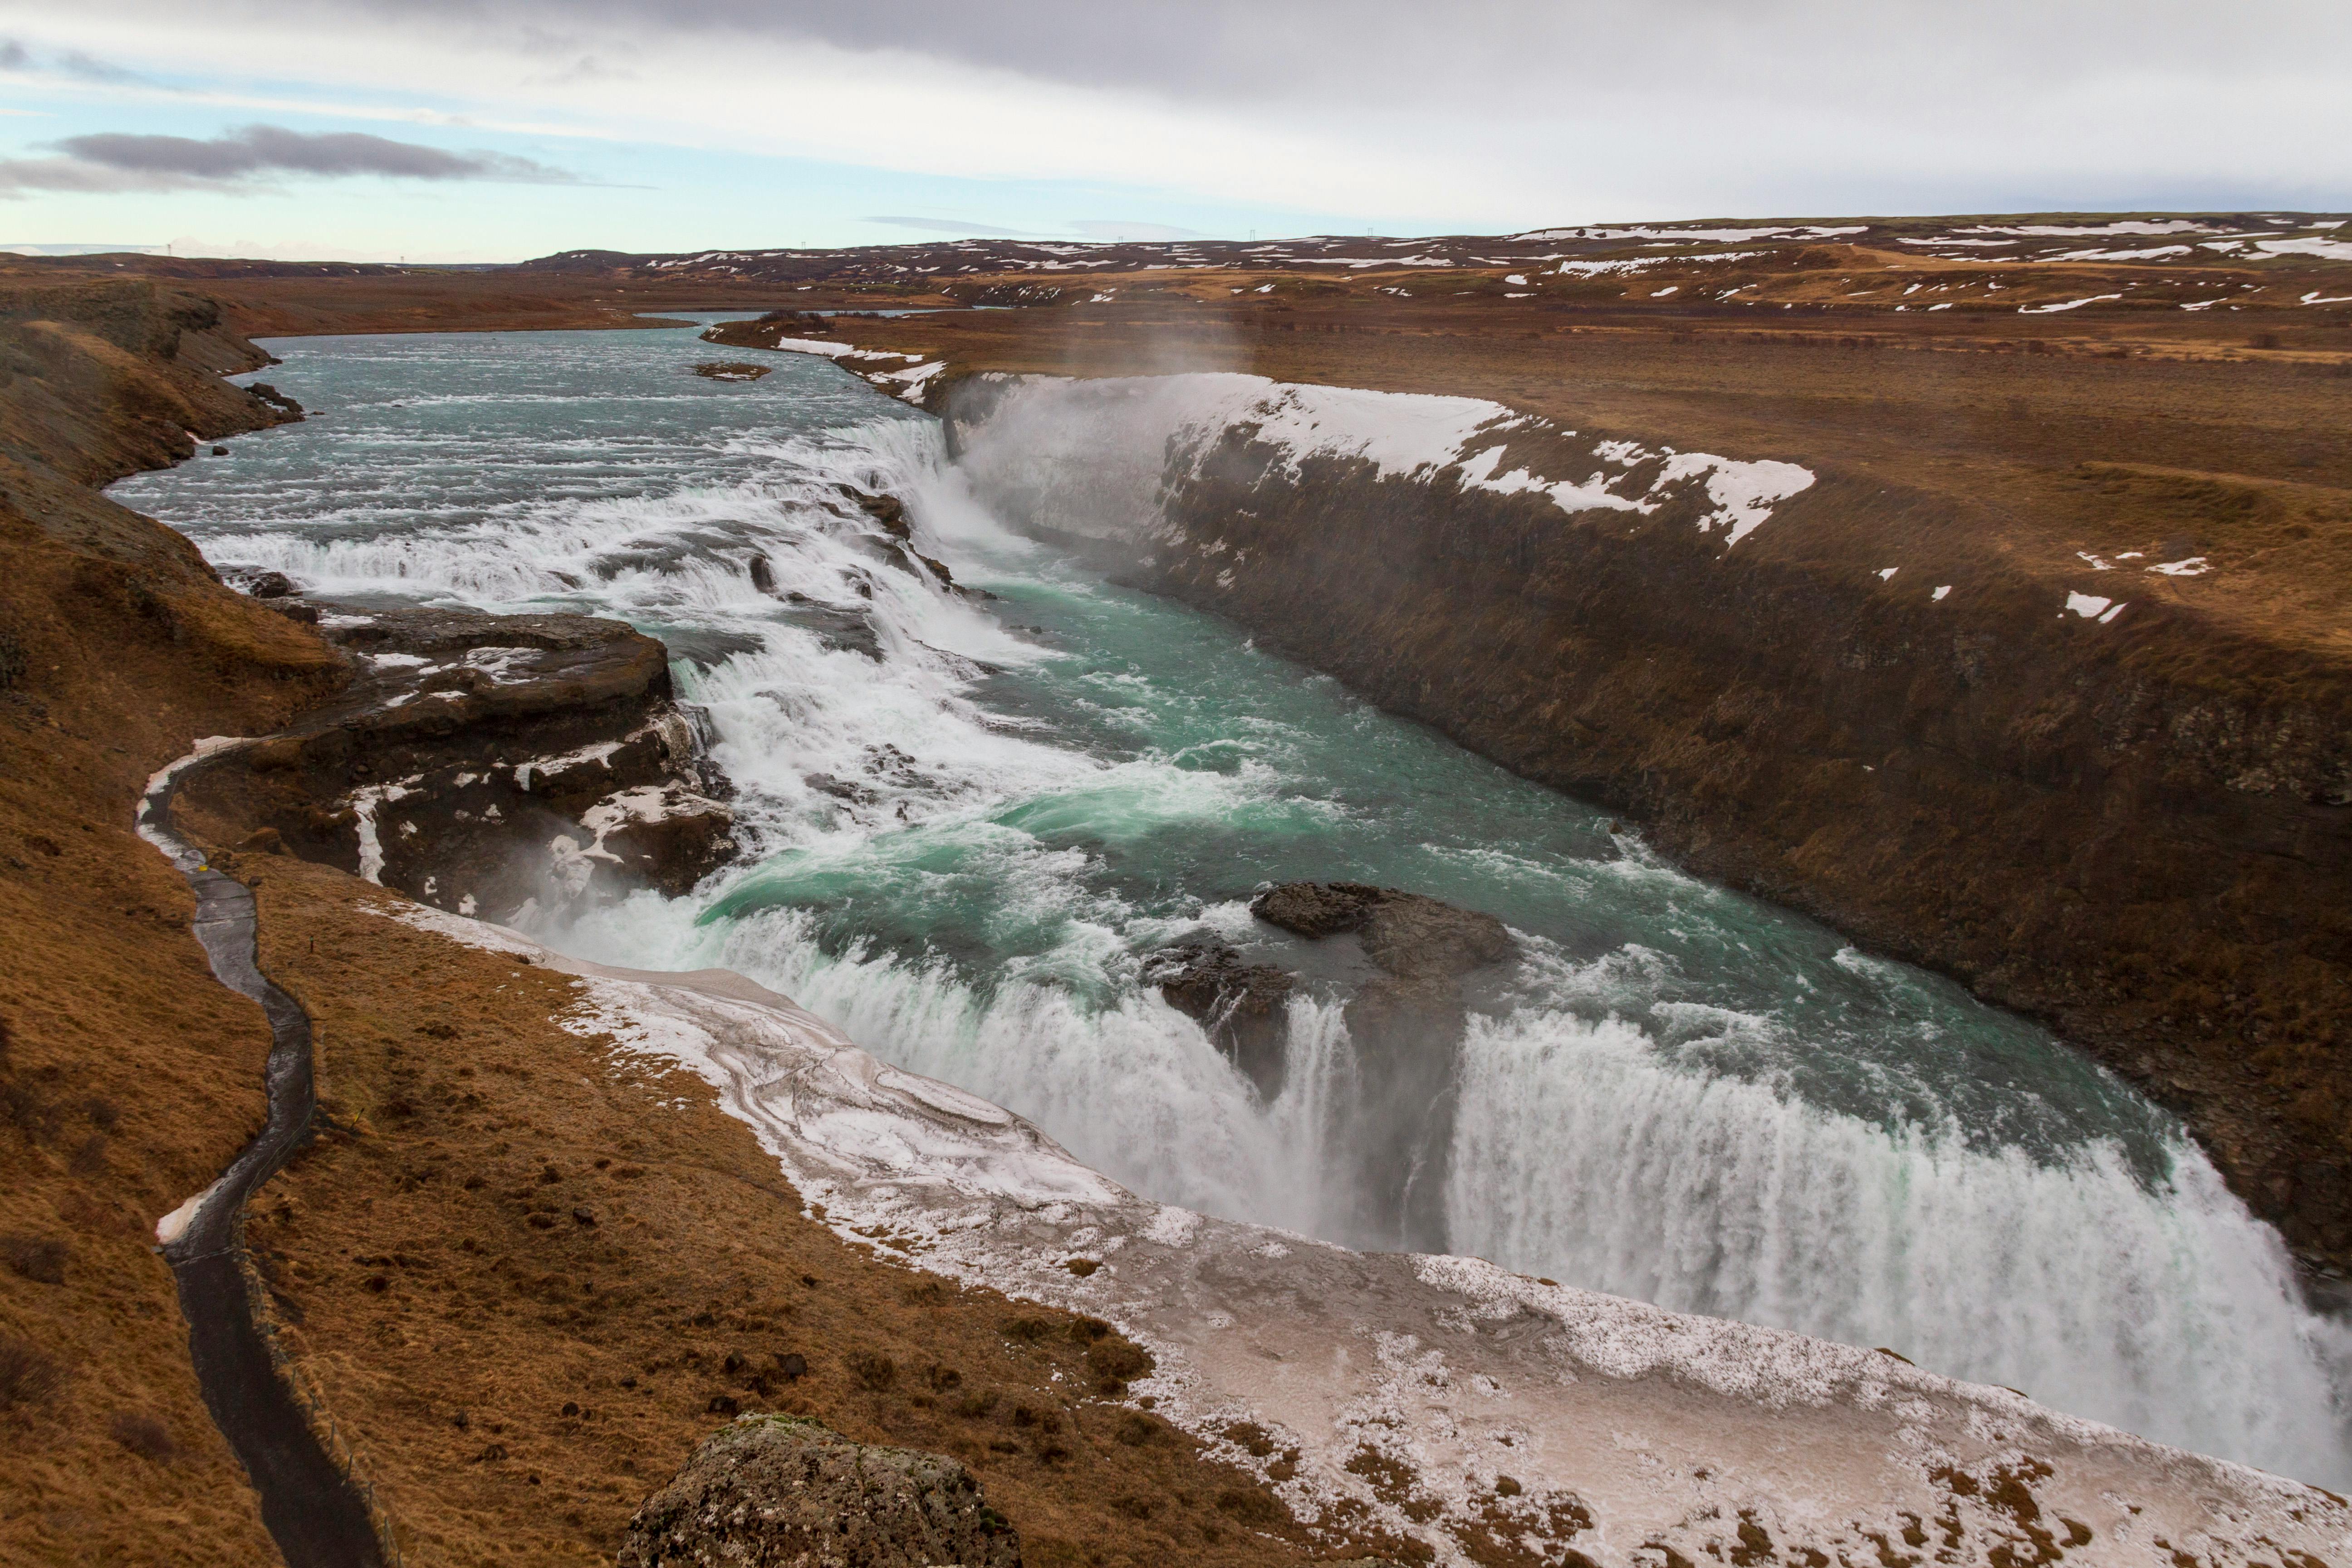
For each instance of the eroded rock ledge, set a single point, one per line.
(504, 765)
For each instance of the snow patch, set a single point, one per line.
(2066, 305)
(2091, 606)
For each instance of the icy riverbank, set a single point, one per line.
(1448, 1400)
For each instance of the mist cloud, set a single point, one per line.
(949, 226)
(122, 161)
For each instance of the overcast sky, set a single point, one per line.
(448, 130)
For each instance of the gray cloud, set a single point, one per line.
(120, 162)
(90, 68)
(72, 64)
(273, 149)
(1361, 49)
(73, 176)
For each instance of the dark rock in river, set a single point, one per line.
(269, 396)
(1242, 1007)
(259, 585)
(847, 630)
(772, 1491)
(887, 510)
(1411, 936)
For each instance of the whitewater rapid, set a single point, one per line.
(967, 820)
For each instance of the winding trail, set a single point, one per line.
(313, 1510)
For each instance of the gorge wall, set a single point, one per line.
(2110, 810)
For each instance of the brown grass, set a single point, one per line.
(129, 1077)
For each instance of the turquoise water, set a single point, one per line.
(970, 818)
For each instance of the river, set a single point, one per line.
(967, 820)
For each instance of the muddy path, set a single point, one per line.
(313, 1510)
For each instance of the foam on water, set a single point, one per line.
(962, 842)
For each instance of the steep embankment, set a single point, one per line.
(129, 1075)
(2088, 793)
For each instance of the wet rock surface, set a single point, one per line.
(772, 1491)
(496, 766)
(1241, 1004)
(1409, 935)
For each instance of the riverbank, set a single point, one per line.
(130, 1075)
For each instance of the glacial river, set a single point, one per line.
(967, 820)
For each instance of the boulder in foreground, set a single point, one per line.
(775, 1491)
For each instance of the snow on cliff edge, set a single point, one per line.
(1084, 450)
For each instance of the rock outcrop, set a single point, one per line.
(1414, 939)
(1406, 1023)
(501, 765)
(772, 1491)
(1241, 1004)
(1408, 1013)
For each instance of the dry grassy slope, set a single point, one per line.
(129, 1078)
(263, 300)
(2124, 829)
(525, 1265)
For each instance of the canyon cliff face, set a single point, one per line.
(2111, 812)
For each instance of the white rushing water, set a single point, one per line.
(968, 819)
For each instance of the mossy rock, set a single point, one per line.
(769, 1492)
